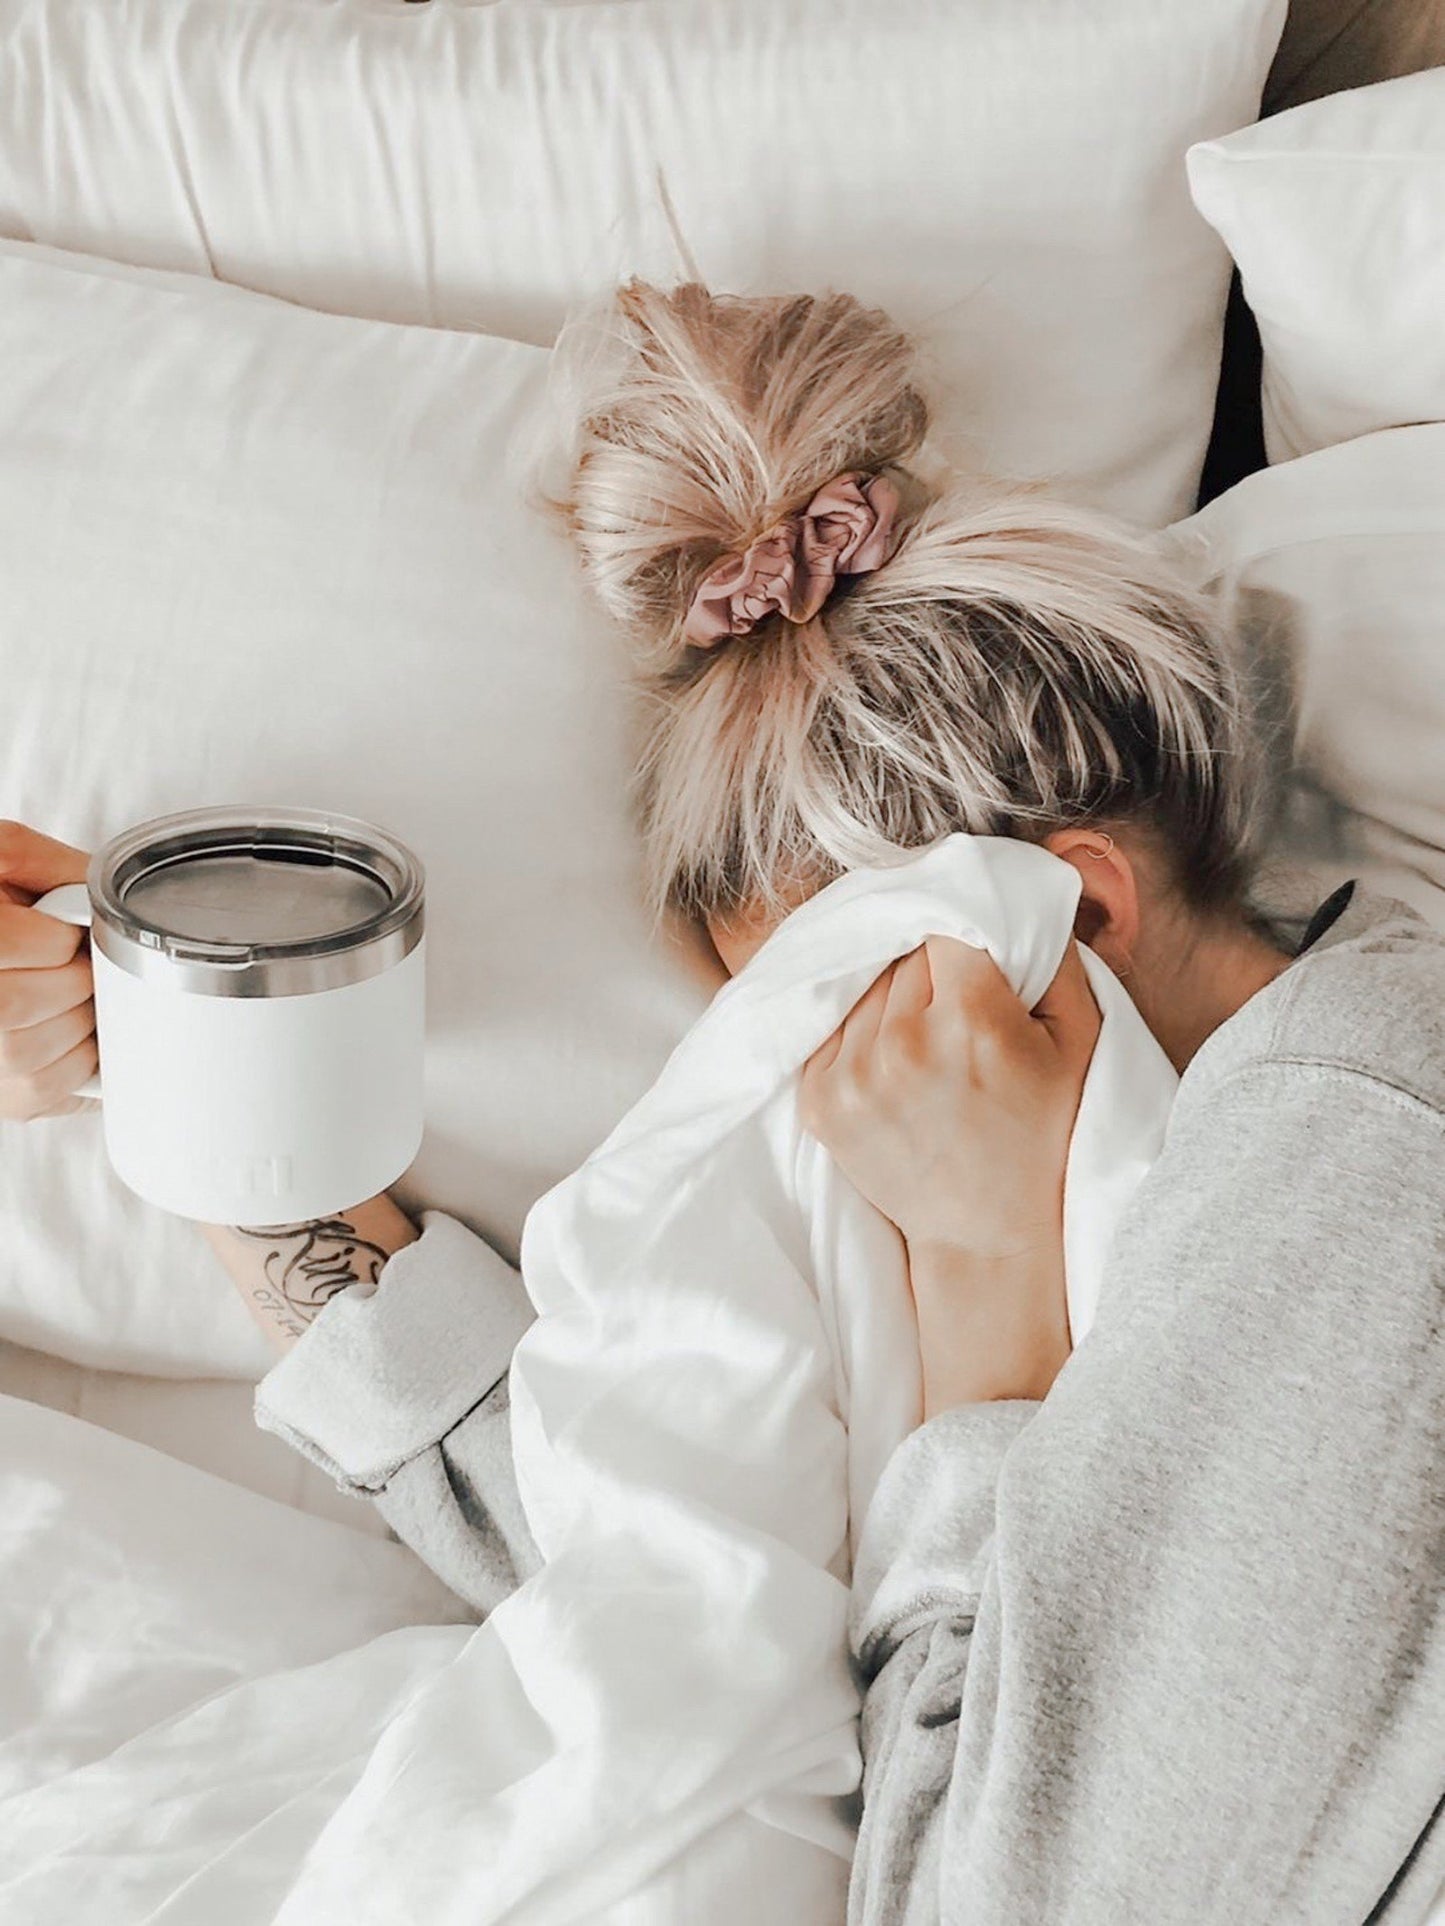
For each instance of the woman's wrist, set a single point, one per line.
(992, 1325)
(288, 1273)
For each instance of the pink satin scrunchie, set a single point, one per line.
(846, 529)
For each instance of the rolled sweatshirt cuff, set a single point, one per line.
(379, 1379)
(928, 1533)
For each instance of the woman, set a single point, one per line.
(1159, 1635)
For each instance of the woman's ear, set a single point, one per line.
(1107, 919)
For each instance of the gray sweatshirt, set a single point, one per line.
(1168, 1648)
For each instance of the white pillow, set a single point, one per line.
(1336, 562)
(1335, 213)
(249, 552)
(1007, 178)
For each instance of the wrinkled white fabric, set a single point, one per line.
(724, 1358)
(191, 1678)
(612, 1254)
(660, 1727)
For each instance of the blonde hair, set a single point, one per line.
(1018, 666)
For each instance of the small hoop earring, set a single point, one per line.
(1099, 854)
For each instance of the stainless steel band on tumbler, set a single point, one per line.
(323, 900)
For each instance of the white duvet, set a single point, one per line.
(661, 1726)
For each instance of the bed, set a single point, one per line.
(253, 254)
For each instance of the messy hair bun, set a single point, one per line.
(1017, 665)
(720, 417)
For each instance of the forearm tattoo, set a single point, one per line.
(309, 1264)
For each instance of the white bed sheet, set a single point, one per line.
(137, 1592)
(201, 1744)
(205, 1422)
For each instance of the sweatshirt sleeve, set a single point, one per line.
(1171, 1645)
(401, 1396)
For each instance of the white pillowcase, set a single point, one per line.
(1335, 213)
(1009, 179)
(251, 553)
(1336, 562)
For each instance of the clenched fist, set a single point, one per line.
(951, 1107)
(47, 1015)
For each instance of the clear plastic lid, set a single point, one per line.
(243, 889)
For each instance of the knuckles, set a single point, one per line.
(13, 1054)
(72, 983)
(13, 839)
(911, 1043)
(34, 941)
(833, 1101)
(26, 1095)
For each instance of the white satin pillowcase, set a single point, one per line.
(1008, 179)
(253, 553)
(1335, 564)
(1335, 213)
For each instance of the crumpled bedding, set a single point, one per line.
(662, 1725)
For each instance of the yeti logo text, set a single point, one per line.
(252, 1176)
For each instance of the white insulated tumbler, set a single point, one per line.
(260, 1008)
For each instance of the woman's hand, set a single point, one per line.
(950, 1106)
(47, 1018)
